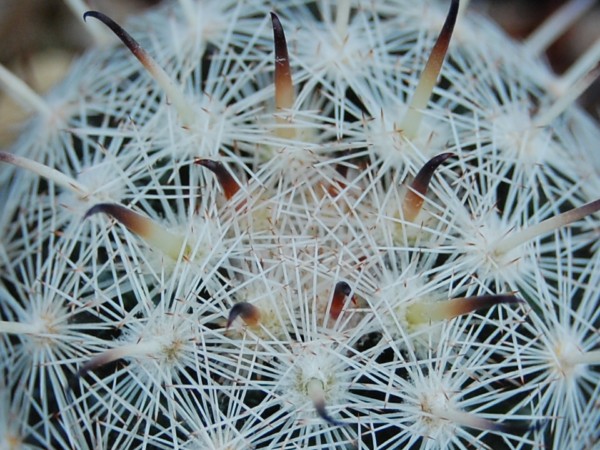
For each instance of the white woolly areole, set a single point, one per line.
(313, 364)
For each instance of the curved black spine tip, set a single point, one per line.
(281, 50)
(242, 309)
(323, 414)
(118, 30)
(86, 367)
(235, 311)
(497, 299)
(210, 164)
(96, 15)
(275, 20)
(98, 208)
(453, 13)
(342, 288)
(424, 176)
(520, 428)
(431, 165)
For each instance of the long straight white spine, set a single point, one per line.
(342, 18)
(556, 25)
(23, 94)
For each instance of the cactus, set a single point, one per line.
(348, 224)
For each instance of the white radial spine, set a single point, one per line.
(556, 25)
(7, 327)
(46, 172)
(342, 18)
(23, 94)
(584, 65)
(520, 237)
(590, 358)
(189, 10)
(569, 97)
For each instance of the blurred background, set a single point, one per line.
(40, 38)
